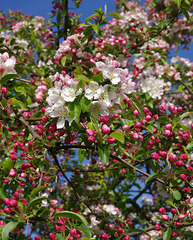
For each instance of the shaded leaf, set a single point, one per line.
(152, 176)
(86, 231)
(2, 194)
(8, 227)
(7, 77)
(136, 103)
(176, 194)
(75, 110)
(140, 231)
(35, 201)
(85, 104)
(72, 215)
(36, 190)
(167, 234)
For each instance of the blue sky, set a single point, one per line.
(43, 7)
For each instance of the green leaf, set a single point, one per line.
(88, 31)
(176, 194)
(8, 227)
(35, 201)
(43, 212)
(96, 28)
(115, 15)
(178, 2)
(2, 194)
(59, 236)
(170, 202)
(152, 176)
(140, 231)
(7, 77)
(150, 128)
(118, 136)
(72, 215)
(189, 146)
(63, 61)
(58, 18)
(85, 104)
(36, 190)
(18, 104)
(77, 3)
(88, 18)
(104, 153)
(18, 164)
(7, 165)
(4, 102)
(75, 110)
(167, 234)
(185, 115)
(81, 155)
(98, 77)
(86, 231)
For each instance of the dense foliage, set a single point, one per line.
(96, 123)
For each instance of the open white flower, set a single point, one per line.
(54, 93)
(93, 90)
(61, 111)
(107, 95)
(110, 72)
(99, 108)
(69, 93)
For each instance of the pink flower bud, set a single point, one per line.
(105, 129)
(165, 217)
(162, 210)
(111, 140)
(91, 139)
(12, 173)
(157, 227)
(90, 132)
(155, 155)
(145, 110)
(73, 232)
(4, 90)
(125, 127)
(104, 235)
(183, 177)
(13, 203)
(104, 119)
(181, 216)
(172, 157)
(52, 236)
(136, 113)
(173, 211)
(162, 107)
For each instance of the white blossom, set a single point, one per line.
(69, 93)
(93, 90)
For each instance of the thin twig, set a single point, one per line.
(69, 182)
(136, 169)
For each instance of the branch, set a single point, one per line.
(132, 234)
(114, 157)
(66, 20)
(31, 130)
(136, 169)
(69, 182)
